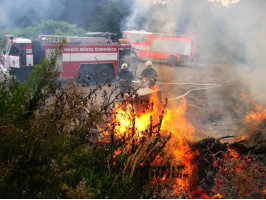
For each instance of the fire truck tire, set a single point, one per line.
(105, 72)
(86, 74)
(172, 61)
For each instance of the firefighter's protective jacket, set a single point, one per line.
(149, 74)
(125, 77)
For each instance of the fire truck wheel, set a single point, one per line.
(86, 74)
(105, 72)
(172, 61)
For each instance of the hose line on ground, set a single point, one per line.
(196, 89)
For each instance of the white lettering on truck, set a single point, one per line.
(96, 49)
(86, 49)
(71, 49)
(105, 49)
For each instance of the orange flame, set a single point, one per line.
(233, 152)
(256, 117)
(258, 114)
(244, 95)
(242, 138)
(173, 122)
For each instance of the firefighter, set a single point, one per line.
(125, 78)
(149, 75)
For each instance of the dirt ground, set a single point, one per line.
(216, 112)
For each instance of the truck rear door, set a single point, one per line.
(14, 56)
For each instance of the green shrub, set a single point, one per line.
(48, 147)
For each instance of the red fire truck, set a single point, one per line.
(173, 49)
(97, 56)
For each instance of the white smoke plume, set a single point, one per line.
(150, 16)
(234, 34)
(16, 13)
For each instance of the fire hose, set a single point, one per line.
(211, 86)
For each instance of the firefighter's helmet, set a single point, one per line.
(148, 63)
(124, 65)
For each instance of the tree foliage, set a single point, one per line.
(50, 27)
(45, 27)
(92, 15)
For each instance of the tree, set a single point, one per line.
(92, 15)
(50, 27)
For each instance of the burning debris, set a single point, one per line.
(159, 142)
(227, 169)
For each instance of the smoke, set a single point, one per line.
(231, 52)
(215, 26)
(21, 13)
(234, 35)
(149, 16)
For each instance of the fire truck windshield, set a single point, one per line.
(14, 50)
(7, 47)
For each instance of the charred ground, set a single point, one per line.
(214, 112)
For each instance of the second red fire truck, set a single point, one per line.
(97, 56)
(173, 49)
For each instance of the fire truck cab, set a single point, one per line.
(96, 56)
(17, 55)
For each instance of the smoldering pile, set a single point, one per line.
(239, 165)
